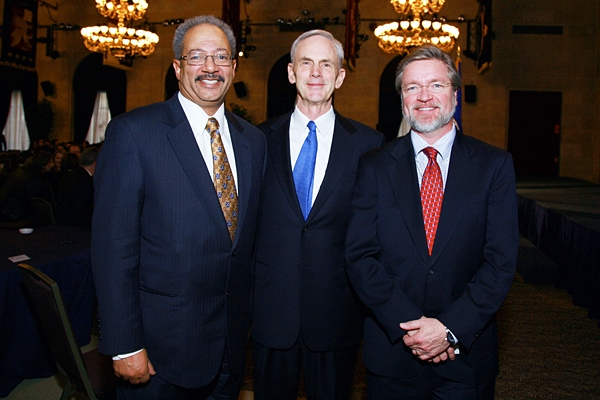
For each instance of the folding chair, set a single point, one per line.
(90, 373)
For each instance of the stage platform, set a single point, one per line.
(561, 217)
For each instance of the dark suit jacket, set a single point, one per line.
(168, 277)
(471, 268)
(75, 199)
(300, 278)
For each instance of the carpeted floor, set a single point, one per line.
(549, 348)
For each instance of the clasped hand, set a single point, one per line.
(135, 369)
(426, 337)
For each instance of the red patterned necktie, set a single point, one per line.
(223, 177)
(432, 194)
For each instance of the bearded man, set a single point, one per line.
(432, 246)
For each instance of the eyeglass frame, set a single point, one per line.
(230, 58)
(418, 88)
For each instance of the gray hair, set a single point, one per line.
(201, 19)
(428, 52)
(318, 32)
(89, 156)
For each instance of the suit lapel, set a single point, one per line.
(460, 180)
(341, 148)
(279, 152)
(402, 173)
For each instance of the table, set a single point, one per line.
(63, 254)
(562, 218)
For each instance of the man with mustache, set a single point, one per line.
(177, 193)
(432, 246)
(306, 315)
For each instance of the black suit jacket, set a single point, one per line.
(300, 278)
(471, 268)
(168, 277)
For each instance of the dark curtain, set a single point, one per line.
(390, 104)
(281, 95)
(90, 77)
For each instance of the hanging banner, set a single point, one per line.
(19, 33)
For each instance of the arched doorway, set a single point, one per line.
(90, 77)
(281, 94)
(390, 104)
(171, 83)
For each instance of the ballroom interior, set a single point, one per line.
(531, 77)
(535, 94)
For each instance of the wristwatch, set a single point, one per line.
(450, 338)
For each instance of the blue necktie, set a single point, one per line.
(304, 170)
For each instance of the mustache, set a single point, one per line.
(210, 77)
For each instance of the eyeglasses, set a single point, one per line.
(195, 57)
(432, 88)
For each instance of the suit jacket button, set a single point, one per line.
(234, 253)
(228, 294)
(305, 230)
(430, 272)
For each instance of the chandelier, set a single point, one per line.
(122, 9)
(121, 41)
(417, 6)
(401, 37)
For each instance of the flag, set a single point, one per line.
(351, 32)
(458, 111)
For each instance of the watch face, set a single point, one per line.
(450, 337)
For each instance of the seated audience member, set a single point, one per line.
(23, 184)
(53, 176)
(69, 162)
(75, 149)
(58, 156)
(75, 194)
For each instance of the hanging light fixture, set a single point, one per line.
(121, 41)
(400, 37)
(122, 9)
(419, 7)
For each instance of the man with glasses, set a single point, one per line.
(177, 193)
(432, 246)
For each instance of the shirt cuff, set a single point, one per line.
(123, 356)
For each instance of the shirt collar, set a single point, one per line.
(197, 116)
(325, 123)
(443, 145)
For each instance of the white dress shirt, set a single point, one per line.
(298, 134)
(198, 119)
(444, 148)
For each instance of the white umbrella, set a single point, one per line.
(100, 119)
(15, 130)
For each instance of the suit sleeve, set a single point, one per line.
(119, 188)
(484, 294)
(380, 292)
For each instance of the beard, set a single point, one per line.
(429, 125)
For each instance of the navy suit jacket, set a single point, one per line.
(300, 278)
(168, 277)
(469, 273)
